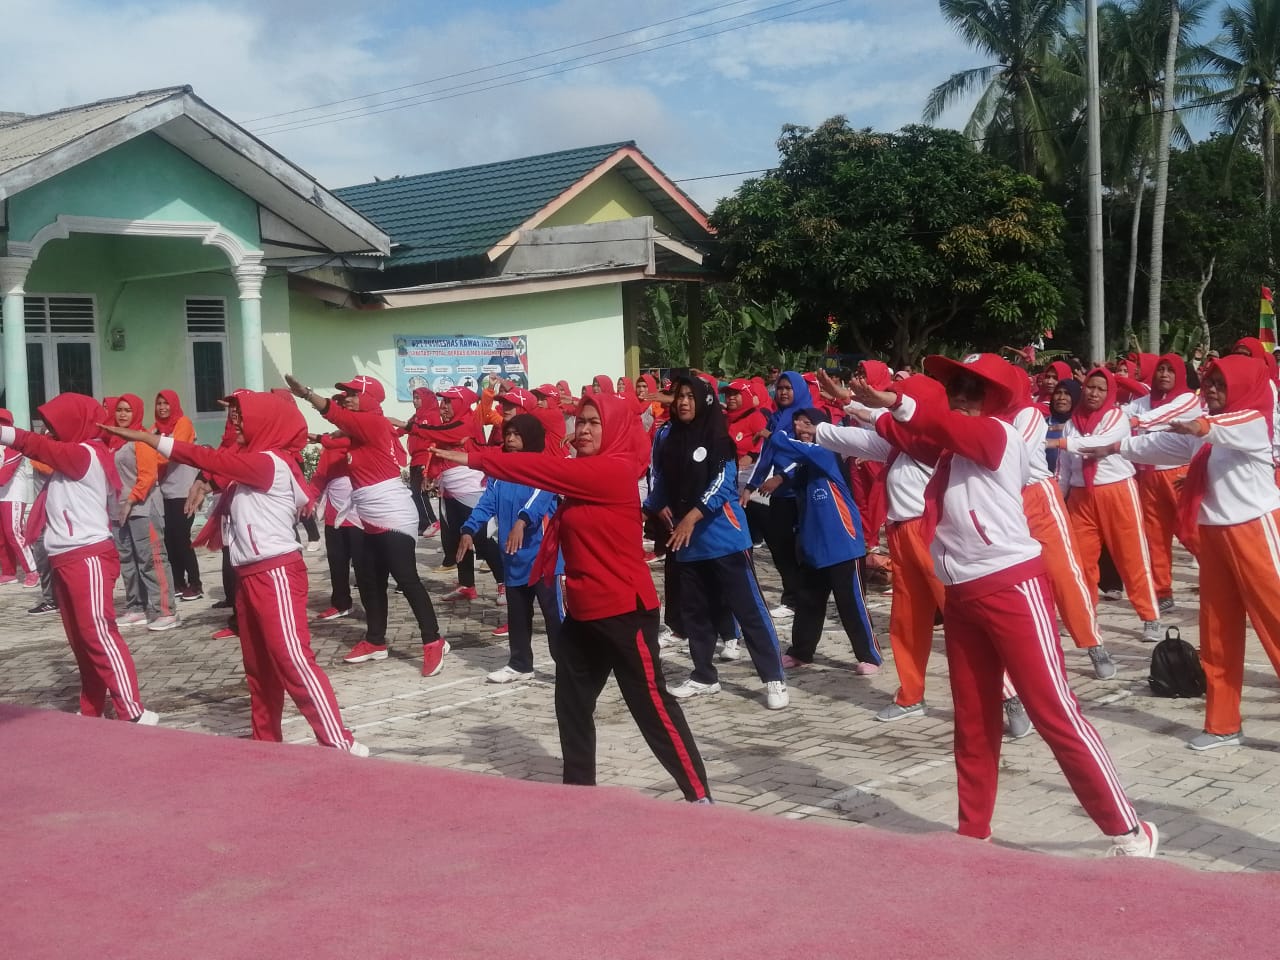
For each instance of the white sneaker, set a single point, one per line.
(731, 650)
(782, 612)
(358, 749)
(163, 623)
(1142, 844)
(692, 688)
(131, 618)
(668, 638)
(508, 674)
(314, 546)
(149, 718)
(1152, 631)
(775, 695)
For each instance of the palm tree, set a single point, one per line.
(1246, 59)
(1020, 85)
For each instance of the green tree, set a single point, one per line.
(1017, 112)
(904, 238)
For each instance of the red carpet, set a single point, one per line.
(151, 843)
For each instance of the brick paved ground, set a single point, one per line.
(825, 757)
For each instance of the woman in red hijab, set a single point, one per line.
(426, 411)
(612, 622)
(72, 515)
(1230, 508)
(175, 486)
(150, 597)
(1102, 498)
(263, 497)
(1158, 487)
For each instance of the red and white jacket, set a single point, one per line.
(78, 496)
(1113, 428)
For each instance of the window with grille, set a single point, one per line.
(62, 345)
(207, 331)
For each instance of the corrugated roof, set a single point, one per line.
(28, 138)
(465, 212)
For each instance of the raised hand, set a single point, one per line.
(868, 396)
(832, 390)
(296, 387)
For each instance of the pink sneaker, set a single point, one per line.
(7, 578)
(226, 633)
(31, 580)
(791, 663)
(431, 531)
(866, 669)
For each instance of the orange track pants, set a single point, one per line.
(917, 596)
(1110, 514)
(1239, 575)
(1159, 499)
(1047, 519)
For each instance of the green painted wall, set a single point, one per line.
(612, 197)
(573, 335)
(144, 179)
(122, 274)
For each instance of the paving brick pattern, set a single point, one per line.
(824, 757)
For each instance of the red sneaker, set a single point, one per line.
(31, 580)
(8, 578)
(651, 557)
(226, 633)
(364, 650)
(461, 593)
(501, 598)
(501, 631)
(333, 613)
(431, 531)
(433, 657)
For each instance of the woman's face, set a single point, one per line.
(417, 400)
(350, 401)
(620, 386)
(1062, 402)
(512, 442)
(1094, 393)
(965, 394)
(1213, 388)
(684, 407)
(783, 393)
(162, 408)
(732, 400)
(1164, 377)
(642, 390)
(588, 431)
(1049, 379)
(124, 413)
(233, 414)
(446, 409)
(806, 432)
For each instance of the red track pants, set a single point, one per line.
(15, 555)
(82, 588)
(1239, 575)
(1013, 629)
(271, 607)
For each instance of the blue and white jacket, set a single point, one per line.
(510, 502)
(830, 527)
(723, 527)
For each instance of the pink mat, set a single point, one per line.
(150, 843)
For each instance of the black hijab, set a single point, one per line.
(694, 452)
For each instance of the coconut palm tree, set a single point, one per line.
(1246, 60)
(1019, 87)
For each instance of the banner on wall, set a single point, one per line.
(443, 362)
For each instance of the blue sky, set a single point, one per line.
(711, 105)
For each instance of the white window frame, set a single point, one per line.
(194, 338)
(49, 341)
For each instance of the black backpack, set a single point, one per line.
(1175, 668)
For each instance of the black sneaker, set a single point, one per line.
(42, 608)
(222, 605)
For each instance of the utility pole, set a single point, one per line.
(1093, 184)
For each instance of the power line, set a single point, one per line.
(419, 100)
(504, 63)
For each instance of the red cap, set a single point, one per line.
(365, 387)
(993, 369)
(546, 390)
(519, 397)
(740, 386)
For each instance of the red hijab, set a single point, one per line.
(135, 417)
(1063, 371)
(877, 374)
(1143, 366)
(1258, 350)
(1248, 388)
(1086, 421)
(426, 410)
(73, 418)
(165, 425)
(1160, 397)
(604, 385)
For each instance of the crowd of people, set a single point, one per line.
(979, 494)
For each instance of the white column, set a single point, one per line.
(249, 276)
(13, 276)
